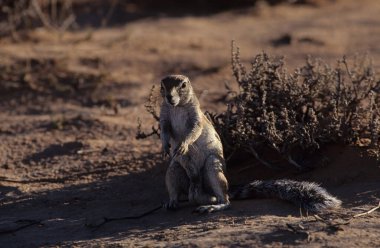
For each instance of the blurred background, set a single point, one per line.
(127, 45)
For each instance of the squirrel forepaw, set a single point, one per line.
(166, 150)
(182, 149)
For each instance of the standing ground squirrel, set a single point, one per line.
(197, 167)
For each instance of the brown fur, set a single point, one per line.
(197, 165)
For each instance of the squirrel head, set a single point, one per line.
(176, 90)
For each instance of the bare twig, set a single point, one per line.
(67, 23)
(110, 12)
(259, 159)
(45, 21)
(299, 229)
(142, 135)
(107, 219)
(291, 161)
(337, 226)
(368, 212)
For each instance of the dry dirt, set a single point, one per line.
(68, 160)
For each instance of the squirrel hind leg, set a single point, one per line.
(177, 182)
(199, 197)
(217, 183)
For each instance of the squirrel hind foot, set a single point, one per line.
(206, 209)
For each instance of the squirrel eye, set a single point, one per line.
(183, 85)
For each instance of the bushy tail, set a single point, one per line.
(307, 195)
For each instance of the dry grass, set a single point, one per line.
(46, 76)
(55, 15)
(25, 79)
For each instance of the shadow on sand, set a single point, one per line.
(63, 213)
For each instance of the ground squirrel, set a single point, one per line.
(197, 166)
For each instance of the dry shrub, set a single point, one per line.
(151, 107)
(291, 116)
(16, 15)
(47, 76)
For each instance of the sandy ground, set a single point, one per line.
(69, 160)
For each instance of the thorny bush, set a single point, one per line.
(27, 79)
(15, 15)
(49, 76)
(287, 114)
